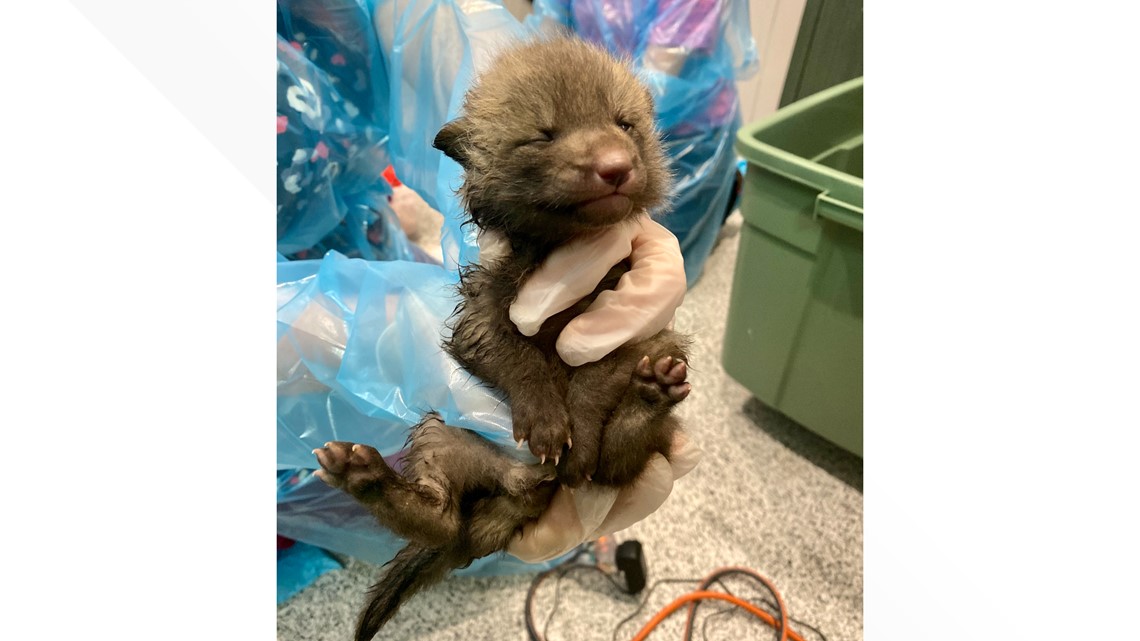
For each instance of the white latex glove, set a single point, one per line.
(589, 512)
(643, 303)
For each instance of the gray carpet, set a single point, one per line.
(768, 495)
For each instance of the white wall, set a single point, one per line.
(775, 24)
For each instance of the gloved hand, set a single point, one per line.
(642, 304)
(591, 511)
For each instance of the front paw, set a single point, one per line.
(350, 467)
(545, 428)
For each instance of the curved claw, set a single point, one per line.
(679, 392)
(677, 374)
(643, 367)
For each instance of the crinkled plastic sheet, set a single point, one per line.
(690, 53)
(359, 341)
(435, 48)
(359, 359)
(332, 135)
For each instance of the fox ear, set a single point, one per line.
(452, 140)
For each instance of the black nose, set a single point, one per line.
(613, 167)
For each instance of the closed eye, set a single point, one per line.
(544, 136)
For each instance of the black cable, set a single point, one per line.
(571, 564)
(688, 635)
(561, 569)
(729, 610)
(553, 605)
(557, 589)
(773, 608)
(565, 570)
(808, 626)
(646, 600)
(722, 586)
(527, 614)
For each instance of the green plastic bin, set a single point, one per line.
(794, 335)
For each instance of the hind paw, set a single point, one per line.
(350, 467)
(579, 466)
(662, 382)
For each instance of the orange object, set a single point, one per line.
(390, 176)
(699, 596)
(718, 573)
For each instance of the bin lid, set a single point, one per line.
(789, 141)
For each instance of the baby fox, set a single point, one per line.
(557, 140)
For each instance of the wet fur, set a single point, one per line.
(544, 131)
(458, 498)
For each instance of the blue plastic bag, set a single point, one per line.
(298, 566)
(359, 359)
(332, 121)
(690, 53)
(435, 48)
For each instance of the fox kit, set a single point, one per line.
(557, 141)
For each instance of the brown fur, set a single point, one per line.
(557, 141)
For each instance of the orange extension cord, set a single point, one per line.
(702, 594)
